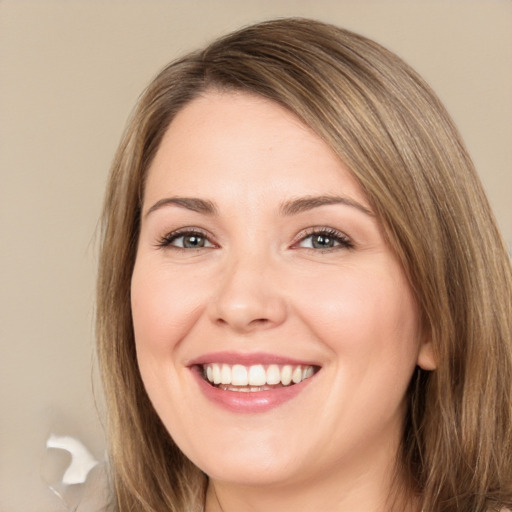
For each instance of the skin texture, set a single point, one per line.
(258, 286)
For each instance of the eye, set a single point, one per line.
(190, 239)
(324, 238)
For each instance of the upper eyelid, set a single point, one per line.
(168, 238)
(187, 230)
(319, 230)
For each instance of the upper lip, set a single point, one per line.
(248, 359)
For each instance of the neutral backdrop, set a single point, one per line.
(70, 72)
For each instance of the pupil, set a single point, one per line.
(192, 241)
(322, 241)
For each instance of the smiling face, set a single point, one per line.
(276, 332)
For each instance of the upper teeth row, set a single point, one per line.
(256, 375)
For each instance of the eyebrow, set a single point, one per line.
(303, 204)
(291, 207)
(190, 203)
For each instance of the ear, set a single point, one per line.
(426, 358)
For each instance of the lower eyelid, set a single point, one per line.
(339, 245)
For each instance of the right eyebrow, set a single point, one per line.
(190, 203)
(303, 204)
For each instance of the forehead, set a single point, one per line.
(226, 140)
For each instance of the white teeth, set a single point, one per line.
(297, 375)
(286, 375)
(307, 372)
(239, 375)
(256, 377)
(273, 375)
(216, 374)
(245, 389)
(225, 374)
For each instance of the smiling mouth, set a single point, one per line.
(255, 378)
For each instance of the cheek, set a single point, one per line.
(164, 306)
(365, 316)
(164, 310)
(369, 322)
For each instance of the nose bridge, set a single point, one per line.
(248, 295)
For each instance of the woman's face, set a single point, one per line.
(260, 262)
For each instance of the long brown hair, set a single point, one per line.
(391, 131)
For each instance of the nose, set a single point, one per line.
(249, 297)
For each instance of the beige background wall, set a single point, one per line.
(70, 72)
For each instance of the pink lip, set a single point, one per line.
(247, 402)
(247, 359)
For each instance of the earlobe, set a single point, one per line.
(426, 358)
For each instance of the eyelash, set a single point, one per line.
(167, 240)
(336, 236)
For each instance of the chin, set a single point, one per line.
(252, 473)
(255, 462)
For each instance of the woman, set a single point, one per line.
(304, 301)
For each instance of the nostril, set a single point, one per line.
(260, 321)
(243, 325)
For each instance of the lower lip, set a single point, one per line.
(250, 401)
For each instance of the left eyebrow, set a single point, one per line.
(306, 203)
